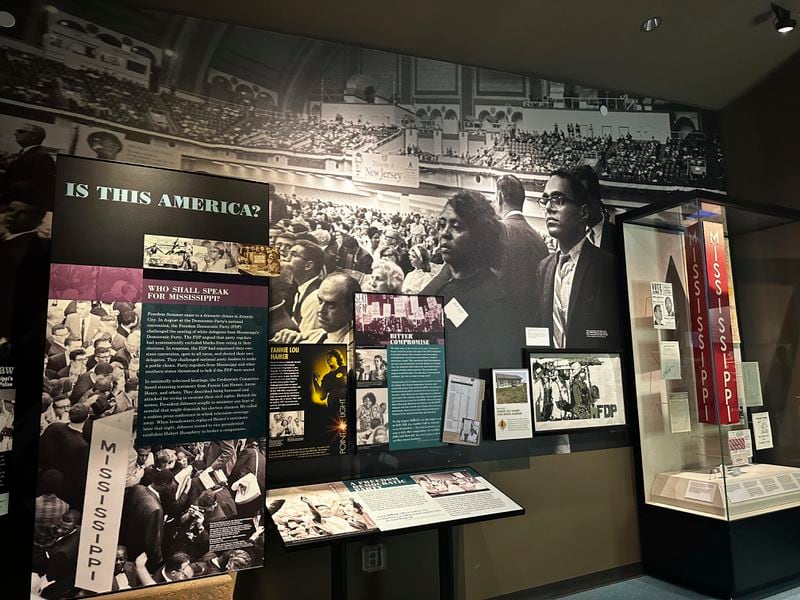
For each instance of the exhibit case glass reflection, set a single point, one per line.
(712, 292)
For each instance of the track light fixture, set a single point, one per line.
(784, 22)
(650, 24)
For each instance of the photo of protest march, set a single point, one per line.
(576, 391)
(174, 498)
(209, 256)
(318, 511)
(449, 483)
(382, 319)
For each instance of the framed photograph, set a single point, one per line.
(575, 390)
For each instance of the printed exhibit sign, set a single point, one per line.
(463, 410)
(512, 404)
(663, 305)
(400, 370)
(326, 511)
(308, 396)
(152, 450)
(386, 169)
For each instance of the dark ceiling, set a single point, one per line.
(706, 52)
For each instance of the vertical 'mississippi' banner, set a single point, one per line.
(719, 314)
(698, 330)
(710, 327)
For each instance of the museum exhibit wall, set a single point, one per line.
(582, 506)
(761, 139)
(299, 114)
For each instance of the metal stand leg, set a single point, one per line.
(339, 572)
(447, 585)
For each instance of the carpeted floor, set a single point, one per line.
(647, 588)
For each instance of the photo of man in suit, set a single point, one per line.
(58, 338)
(142, 528)
(82, 324)
(669, 307)
(304, 265)
(62, 447)
(104, 144)
(29, 176)
(57, 362)
(599, 231)
(124, 571)
(63, 555)
(658, 316)
(24, 257)
(523, 247)
(176, 568)
(575, 286)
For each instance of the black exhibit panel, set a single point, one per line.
(114, 205)
(152, 442)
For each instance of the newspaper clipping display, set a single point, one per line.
(462, 410)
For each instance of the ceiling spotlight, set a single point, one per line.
(7, 20)
(651, 23)
(51, 9)
(784, 22)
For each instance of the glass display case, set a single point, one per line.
(712, 291)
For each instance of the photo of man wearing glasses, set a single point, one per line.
(576, 285)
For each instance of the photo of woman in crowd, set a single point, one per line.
(485, 322)
(421, 275)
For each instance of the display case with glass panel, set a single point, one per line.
(713, 297)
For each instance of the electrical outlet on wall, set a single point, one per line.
(373, 558)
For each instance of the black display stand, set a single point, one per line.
(447, 584)
(444, 531)
(726, 559)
